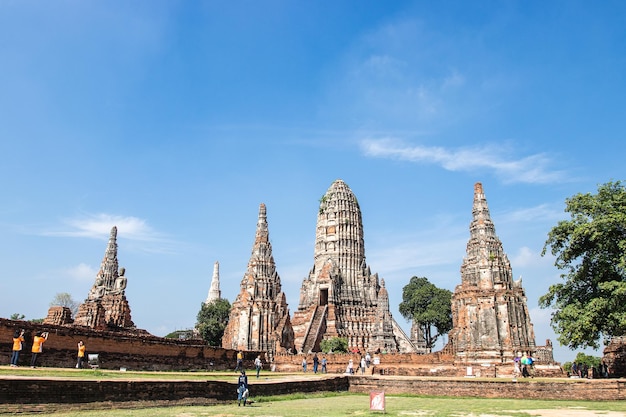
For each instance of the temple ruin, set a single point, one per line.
(341, 297)
(489, 312)
(106, 307)
(259, 317)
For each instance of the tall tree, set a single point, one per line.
(212, 320)
(429, 307)
(65, 299)
(590, 248)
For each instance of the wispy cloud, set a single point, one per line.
(136, 232)
(81, 272)
(543, 212)
(529, 169)
(98, 226)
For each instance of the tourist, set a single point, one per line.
(81, 355)
(324, 362)
(315, 363)
(239, 366)
(516, 369)
(362, 365)
(242, 388)
(368, 359)
(304, 364)
(258, 365)
(38, 341)
(18, 340)
(350, 368)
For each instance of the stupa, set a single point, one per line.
(106, 306)
(489, 312)
(259, 316)
(214, 291)
(341, 297)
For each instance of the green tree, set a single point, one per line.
(64, 299)
(335, 345)
(590, 248)
(212, 320)
(429, 307)
(17, 316)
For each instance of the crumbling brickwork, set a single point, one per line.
(489, 311)
(341, 297)
(259, 317)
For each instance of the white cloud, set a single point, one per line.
(98, 226)
(530, 169)
(543, 212)
(81, 272)
(527, 258)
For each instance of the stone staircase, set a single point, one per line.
(317, 323)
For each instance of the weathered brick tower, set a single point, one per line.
(489, 312)
(259, 316)
(341, 297)
(106, 306)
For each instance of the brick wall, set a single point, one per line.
(602, 389)
(407, 364)
(47, 395)
(118, 349)
(34, 394)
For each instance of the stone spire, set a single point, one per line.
(108, 272)
(259, 316)
(489, 311)
(106, 305)
(340, 296)
(214, 291)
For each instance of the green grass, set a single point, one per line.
(336, 405)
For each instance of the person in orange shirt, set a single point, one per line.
(81, 354)
(239, 362)
(38, 341)
(18, 339)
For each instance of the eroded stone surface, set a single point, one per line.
(106, 306)
(490, 315)
(259, 317)
(341, 297)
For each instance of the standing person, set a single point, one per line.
(242, 387)
(304, 364)
(368, 359)
(81, 355)
(516, 369)
(324, 362)
(239, 361)
(350, 369)
(316, 362)
(362, 365)
(38, 341)
(18, 340)
(258, 365)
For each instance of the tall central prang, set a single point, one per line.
(341, 297)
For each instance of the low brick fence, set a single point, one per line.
(407, 364)
(581, 389)
(40, 394)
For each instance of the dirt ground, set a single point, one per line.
(561, 412)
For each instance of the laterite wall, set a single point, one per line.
(117, 349)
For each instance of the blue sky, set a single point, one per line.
(174, 120)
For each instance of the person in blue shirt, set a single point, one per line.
(242, 388)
